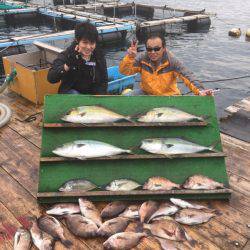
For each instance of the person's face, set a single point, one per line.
(155, 49)
(86, 47)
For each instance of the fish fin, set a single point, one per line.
(139, 227)
(160, 114)
(138, 115)
(122, 238)
(67, 243)
(83, 114)
(80, 145)
(81, 158)
(205, 117)
(216, 212)
(190, 241)
(213, 145)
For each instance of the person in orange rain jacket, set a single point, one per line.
(159, 70)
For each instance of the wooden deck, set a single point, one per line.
(19, 163)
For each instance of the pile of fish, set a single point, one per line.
(98, 114)
(113, 223)
(155, 183)
(86, 149)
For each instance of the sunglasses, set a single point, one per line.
(155, 49)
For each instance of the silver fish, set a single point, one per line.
(77, 185)
(122, 185)
(185, 204)
(63, 208)
(172, 146)
(165, 209)
(113, 209)
(89, 211)
(81, 226)
(131, 212)
(92, 114)
(190, 216)
(168, 114)
(84, 149)
(41, 240)
(113, 226)
(53, 227)
(147, 209)
(22, 239)
(123, 241)
(160, 183)
(201, 182)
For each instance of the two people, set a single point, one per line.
(82, 69)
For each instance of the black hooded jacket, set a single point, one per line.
(90, 78)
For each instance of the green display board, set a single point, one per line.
(101, 172)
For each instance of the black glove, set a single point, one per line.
(75, 61)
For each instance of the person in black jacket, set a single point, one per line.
(81, 68)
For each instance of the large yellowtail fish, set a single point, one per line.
(92, 114)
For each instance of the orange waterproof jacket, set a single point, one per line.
(163, 79)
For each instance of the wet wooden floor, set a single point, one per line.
(19, 164)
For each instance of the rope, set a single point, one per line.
(228, 79)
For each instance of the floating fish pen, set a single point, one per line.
(69, 2)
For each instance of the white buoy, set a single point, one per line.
(235, 32)
(248, 33)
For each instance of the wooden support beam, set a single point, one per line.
(132, 193)
(124, 124)
(135, 157)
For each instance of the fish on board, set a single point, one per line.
(122, 185)
(185, 204)
(22, 239)
(201, 182)
(41, 240)
(53, 227)
(84, 149)
(191, 216)
(113, 209)
(165, 209)
(89, 210)
(131, 212)
(81, 226)
(172, 146)
(168, 114)
(93, 114)
(77, 185)
(123, 241)
(156, 183)
(113, 226)
(147, 209)
(63, 209)
(168, 229)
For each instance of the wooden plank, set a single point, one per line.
(223, 236)
(238, 157)
(135, 157)
(239, 184)
(240, 202)
(124, 124)
(24, 167)
(231, 217)
(8, 226)
(22, 205)
(247, 246)
(173, 20)
(133, 193)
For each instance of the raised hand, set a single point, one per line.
(132, 50)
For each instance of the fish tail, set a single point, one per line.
(213, 145)
(67, 243)
(190, 241)
(129, 119)
(204, 117)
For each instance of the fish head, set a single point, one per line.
(153, 145)
(64, 150)
(107, 245)
(73, 115)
